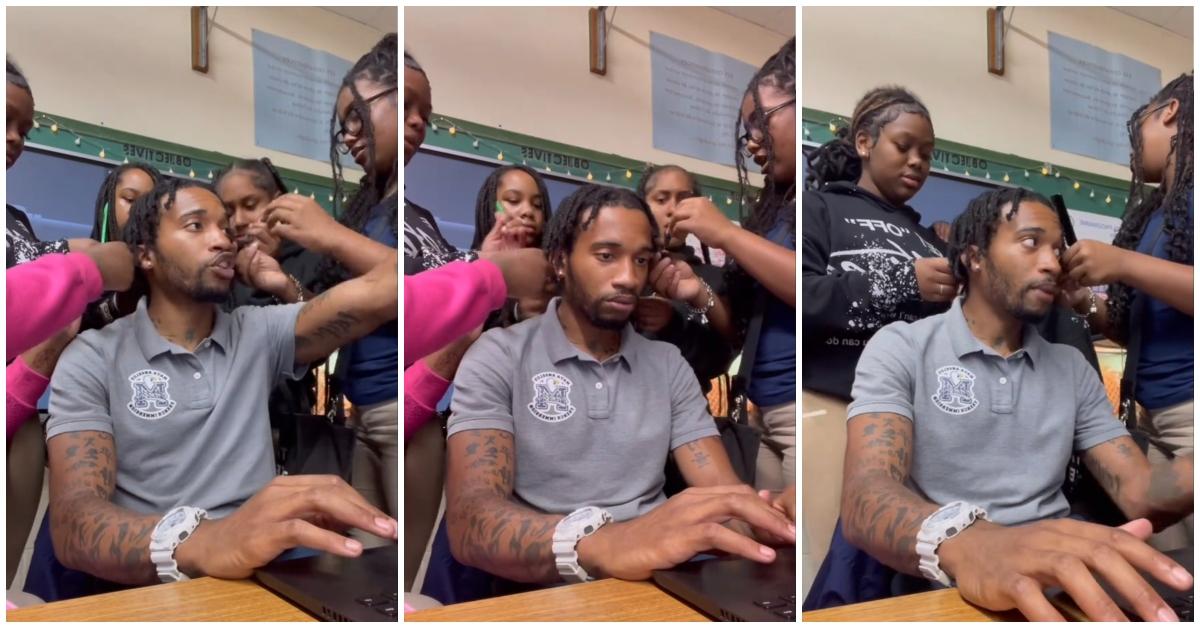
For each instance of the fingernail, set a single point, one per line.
(383, 524)
(1166, 614)
(792, 529)
(766, 551)
(1181, 575)
(353, 545)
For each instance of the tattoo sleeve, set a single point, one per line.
(704, 462)
(1161, 493)
(488, 529)
(879, 513)
(89, 532)
(345, 313)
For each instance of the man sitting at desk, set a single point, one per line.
(159, 445)
(562, 425)
(964, 422)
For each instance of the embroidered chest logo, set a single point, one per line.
(956, 390)
(151, 398)
(551, 398)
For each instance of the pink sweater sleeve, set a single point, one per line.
(50, 291)
(24, 386)
(445, 303)
(423, 389)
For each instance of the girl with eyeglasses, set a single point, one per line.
(1151, 283)
(757, 311)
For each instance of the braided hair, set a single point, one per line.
(578, 211)
(780, 72)
(976, 226)
(16, 77)
(411, 63)
(379, 66)
(649, 174)
(263, 175)
(485, 202)
(104, 220)
(1171, 196)
(837, 159)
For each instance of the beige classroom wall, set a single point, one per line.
(940, 53)
(129, 68)
(525, 69)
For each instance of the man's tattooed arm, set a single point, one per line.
(347, 312)
(704, 462)
(1161, 493)
(488, 529)
(879, 514)
(89, 532)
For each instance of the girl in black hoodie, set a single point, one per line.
(867, 261)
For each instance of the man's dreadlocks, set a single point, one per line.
(578, 211)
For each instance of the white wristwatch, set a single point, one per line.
(174, 528)
(944, 524)
(567, 533)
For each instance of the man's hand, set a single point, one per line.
(1000, 568)
(526, 271)
(115, 263)
(262, 272)
(935, 280)
(699, 217)
(1092, 263)
(303, 221)
(508, 234)
(689, 523)
(292, 511)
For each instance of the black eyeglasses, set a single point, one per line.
(353, 123)
(1134, 122)
(744, 138)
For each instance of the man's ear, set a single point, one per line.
(145, 257)
(970, 258)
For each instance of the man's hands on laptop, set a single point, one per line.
(292, 511)
(1000, 568)
(689, 523)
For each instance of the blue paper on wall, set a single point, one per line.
(1092, 94)
(696, 95)
(295, 88)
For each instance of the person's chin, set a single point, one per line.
(610, 323)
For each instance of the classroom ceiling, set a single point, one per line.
(780, 20)
(1178, 20)
(382, 19)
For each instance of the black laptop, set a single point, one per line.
(736, 589)
(1179, 601)
(334, 588)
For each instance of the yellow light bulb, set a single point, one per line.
(453, 131)
(54, 128)
(590, 177)
(102, 153)
(1075, 185)
(1108, 199)
(628, 174)
(1045, 171)
(500, 156)
(1006, 179)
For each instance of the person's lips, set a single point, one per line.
(1046, 290)
(222, 266)
(911, 180)
(624, 302)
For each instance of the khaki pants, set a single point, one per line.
(376, 455)
(776, 465)
(824, 451)
(1171, 431)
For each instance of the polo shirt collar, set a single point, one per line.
(153, 344)
(964, 342)
(559, 348)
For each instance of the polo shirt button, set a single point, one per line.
(599, 385)
(1003, 380)
(197, 376)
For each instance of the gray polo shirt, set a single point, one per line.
(190, 429)
(587, 433)
(994, 431)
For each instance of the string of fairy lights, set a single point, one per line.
(1006, 174)
(594, 171)
(91, 146)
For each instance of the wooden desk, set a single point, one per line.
(602, 600)
(202, 599)
(944, 605)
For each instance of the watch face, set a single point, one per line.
(948, 514)
(581, 515)
(175, 519)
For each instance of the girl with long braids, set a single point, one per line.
(1149, 272)
(120, 188)
(363, 125)
(758, 311)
